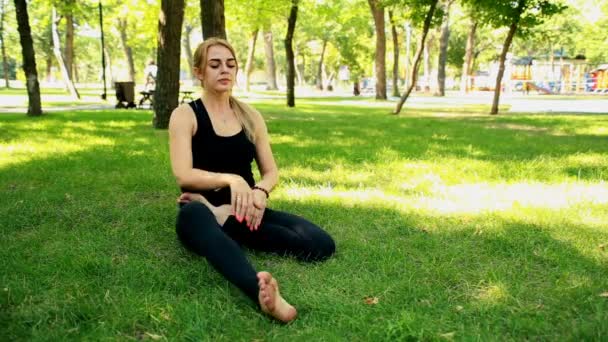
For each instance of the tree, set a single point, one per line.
(291, 26)
(271, 73)
(353, 42)
(250, 55)
(166, 94)
(414, 72)
(3, 6)
(188, 48)
(57, 50)
(592, 39)
(377, 9)
(121, 25)
(319, 78)
(443, 48)
(29, 59)
(212, 18)
(468, 58)
(395, 54)
(69, 38)
(519, 16)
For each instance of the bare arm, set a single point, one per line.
(264, 158)
(268, 171)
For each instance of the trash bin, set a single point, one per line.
(125, 94)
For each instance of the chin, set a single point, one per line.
(223, 89)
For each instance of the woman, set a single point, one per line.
(213, 141)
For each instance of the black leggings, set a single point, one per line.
(279, 232)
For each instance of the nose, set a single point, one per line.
(224, 67)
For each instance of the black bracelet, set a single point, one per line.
(261, 189)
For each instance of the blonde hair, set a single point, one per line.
(244, 113)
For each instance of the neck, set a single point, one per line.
(216, 102)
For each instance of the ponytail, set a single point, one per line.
(244, 114)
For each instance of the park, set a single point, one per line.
(455, 150)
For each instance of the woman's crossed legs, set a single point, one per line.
(279, 232)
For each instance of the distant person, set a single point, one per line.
(213, 141)
(150, 73)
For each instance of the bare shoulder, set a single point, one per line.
(182, 118)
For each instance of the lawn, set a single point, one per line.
(450, 225)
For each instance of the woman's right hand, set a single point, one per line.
(241, 198)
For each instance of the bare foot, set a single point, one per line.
(271, 301)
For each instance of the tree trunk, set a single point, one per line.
(299, 70)
(468, 58)
(501, 68)
(443, 49)
(356, 89)
(380, 54)
(166, 94)
(4, 58)
(29, 59)
(57, 50)
(75, 70)
(212, 19)
(395, 55)
(106, 55)
(49, 68)
(69, 44)
(319, 80)
(291, 26)
(188, 49)
(425, 31)
(271, 73)
(552, 61)
(427, 65)
(330, 79)
(250, 56)
(122, 29)
(408, 36)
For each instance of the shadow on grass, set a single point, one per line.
(89, 249)
(104, 263)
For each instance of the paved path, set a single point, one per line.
(597, 104)
(23, 110)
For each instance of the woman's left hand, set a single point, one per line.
(259, 206)
(188, 197)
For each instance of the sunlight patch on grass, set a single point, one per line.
(492, 294)
(18, 152)
(93, 126)
(476, 198)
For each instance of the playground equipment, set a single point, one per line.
(561, 75)
(597, 79)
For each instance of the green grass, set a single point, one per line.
(464, 226)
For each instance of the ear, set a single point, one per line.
(198, 73)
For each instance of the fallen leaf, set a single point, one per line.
(425, 302)
(154, 336)
(448, 336)
(604, 294)
(371, 300)
(459, 308)
(603, 246)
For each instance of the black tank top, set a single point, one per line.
(215, 153)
